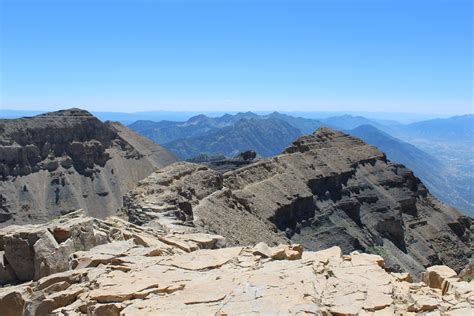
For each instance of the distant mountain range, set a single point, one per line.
(267, 137)
(162, 115)
(453, 129)
(426, 147)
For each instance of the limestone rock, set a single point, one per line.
(366, 259)
(205, 259)
(288, 252)
(227, 281)
(435, 275)
(49, 256)
(7, 275)
(12, 300)
(262, 249)
(77, 241)
(404, 276)
(20, 256)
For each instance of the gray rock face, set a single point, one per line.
(325, 189)
(58, 162)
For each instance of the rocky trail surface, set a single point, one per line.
(86, 266)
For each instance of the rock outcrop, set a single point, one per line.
(140, 271)
(223, 164)
(326, 189)
(31, 252)
(58, 162)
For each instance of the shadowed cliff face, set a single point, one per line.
(57, 162)
(325, 189)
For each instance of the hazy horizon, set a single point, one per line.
(304, 56)
(230, 111)
(164, 115)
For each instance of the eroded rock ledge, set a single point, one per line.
(128, 270)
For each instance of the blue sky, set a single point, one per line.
(403, 56)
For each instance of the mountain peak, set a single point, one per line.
(72, 112)
(198, 118)
(77, 161)
(246, 114)
(326, 137)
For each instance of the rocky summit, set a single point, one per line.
(58, 162)
(326, 189)
(327, 227)
(113, 267)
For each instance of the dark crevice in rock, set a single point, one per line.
(330, 187)
(288, 218)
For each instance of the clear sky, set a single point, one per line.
(104, 55)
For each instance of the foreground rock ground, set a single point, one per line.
(77, 265)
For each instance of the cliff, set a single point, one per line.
(57, 162)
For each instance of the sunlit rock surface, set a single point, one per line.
(130, 270)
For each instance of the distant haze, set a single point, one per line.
(130, 117)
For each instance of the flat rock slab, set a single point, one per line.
(205, 259)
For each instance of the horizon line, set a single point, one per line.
(237, 111)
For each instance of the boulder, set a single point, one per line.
(358, 258)
(423, 303)
(324, 256)
(51, 257)
(7, 275)
(112, 309)
(58, 299)
(20, 255)
(435, 275)
(286, 252)
(12, 301)
(262, 249)
(205, 241)
(293, 252)
(403, 276)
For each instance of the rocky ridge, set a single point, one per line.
(57, 162)
(118, 268)
(326, 189)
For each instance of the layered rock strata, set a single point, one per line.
(326, 189)
(58, 162)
